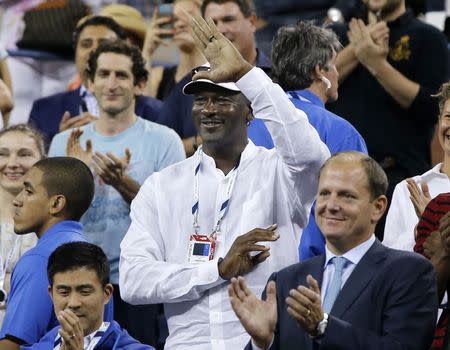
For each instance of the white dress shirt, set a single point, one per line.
(271, 186)
(90, 100)
(353, 257)
(401, 218)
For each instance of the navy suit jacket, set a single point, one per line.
(389, 302)
(47, 112)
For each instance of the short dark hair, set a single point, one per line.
(28, 130)
(297, 49)
(71, 178)
(140, 73)
(247, 7)
(104, 21)
(75, 255)
(376, 177)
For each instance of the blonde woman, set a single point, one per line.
(20, 147)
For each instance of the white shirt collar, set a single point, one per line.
(88, 338)
(355, 254)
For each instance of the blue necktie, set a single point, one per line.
(334, 287)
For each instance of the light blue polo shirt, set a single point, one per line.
(153, 147)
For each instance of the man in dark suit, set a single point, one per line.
(69, 109)
(372, 297)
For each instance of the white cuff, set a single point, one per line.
(255, 347)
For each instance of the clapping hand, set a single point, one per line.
(74, 149)
(304, 304)
(420, 197)
(258, 317)
(110, 168)
(70, 331)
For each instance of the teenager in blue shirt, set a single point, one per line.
(50, 204)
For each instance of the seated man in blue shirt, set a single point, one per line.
(78, 273)
(56, 193)
(304, 57)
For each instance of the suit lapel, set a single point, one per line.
(73, 102)
(363, 273)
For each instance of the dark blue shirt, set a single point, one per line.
(339, 135)
(30, 314)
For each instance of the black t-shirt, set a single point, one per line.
(419, 51)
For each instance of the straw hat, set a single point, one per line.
(128, 17)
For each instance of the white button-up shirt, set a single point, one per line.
(272, 186)
(402, 218)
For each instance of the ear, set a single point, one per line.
(57, 204)
(90, 85)
(139, 88)
(108, 292)
(318, 72)
(50, 289)
(379, 206)
(253, 21)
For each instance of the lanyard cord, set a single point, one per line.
(225, 203)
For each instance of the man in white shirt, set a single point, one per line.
(78, 274)
(198, 223)
(359, 294)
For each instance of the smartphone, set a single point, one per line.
(166, 10)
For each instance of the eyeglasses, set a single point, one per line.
(199, 69)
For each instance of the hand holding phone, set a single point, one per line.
(160, 27)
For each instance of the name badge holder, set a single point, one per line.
(201, 248)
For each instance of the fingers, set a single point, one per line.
(199, 32)
(260, 235)
(412, 187)
(260, 257)
(65, 117)
(89, 146)
(127, 158)
(425, 189)
(444, 226)
(271, 292)
(313, 285)
(71, 330)
(213, 28)
(75, 122)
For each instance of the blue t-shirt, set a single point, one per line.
(30, 314)
(153, 147)
(339, 136)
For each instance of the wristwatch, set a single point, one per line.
(335, 15)
(322, 325)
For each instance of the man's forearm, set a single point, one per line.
(441, 263)
(346, 62)
(128, 189)
(402, 89)
(6, 344)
